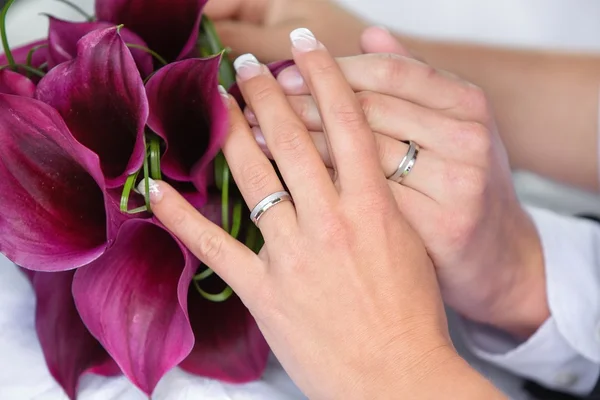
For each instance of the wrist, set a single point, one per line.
(433, 373)
(521, 306)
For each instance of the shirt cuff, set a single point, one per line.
(546, 358)
(564, 354)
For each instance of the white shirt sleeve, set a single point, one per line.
(564, 354)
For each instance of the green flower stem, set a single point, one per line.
(80, 10)
(225, 198)
(149, 51)
(147, 184)
(215, 298)
(210, 45)
(154, 154)
(27, 68)
(5, 46)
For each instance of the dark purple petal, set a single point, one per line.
(134, 301)
(188, 112)
(64, 35)
(53, 214)
(276, 68)
(101, 97)
(170, 27)
(15, 83)
(229, 346)
(69, 348)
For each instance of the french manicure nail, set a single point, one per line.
(247, 66)
(153, 189)
(291, 79)
(304, 40)
(223, 92)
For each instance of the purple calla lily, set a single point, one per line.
(115, 287)
(69, 348)
(63, 37)
(169, 27)
(187, 111)
(52, 190)
(101, 97)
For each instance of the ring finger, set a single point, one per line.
(254, 175)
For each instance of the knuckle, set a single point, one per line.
(479, 138)
(256, 177)
(209, 245)
(347, 116)
(369, 103)
(290, 137)
(391, 69)
(475, 101)
(304, 109)
(261, 93)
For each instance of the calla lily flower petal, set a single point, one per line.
(38, 57)
(188, 112)
(53, 215)
(134, 301)
(229, 346)
(64, 35)
(69, 348)
(15, 83)
(100, 95)
(170, 27)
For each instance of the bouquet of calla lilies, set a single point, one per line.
(86, 115)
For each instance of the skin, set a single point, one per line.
(380, 334)
(459, 196)
(538, 98)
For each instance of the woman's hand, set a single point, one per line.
(261, 27)
(343, 289)
(459, 196)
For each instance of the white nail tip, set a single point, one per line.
(223, 92)
(152, 185)
(245, 59)
(303, 38)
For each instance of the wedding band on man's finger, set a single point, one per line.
(406, 164)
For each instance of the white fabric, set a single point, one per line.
(565, 352)
(537, 23)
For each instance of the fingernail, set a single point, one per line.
(250, 116)
(291, 79)
(154, 190)
(247, 66)
(304, 40)
(383, 28)
(262, 142)
(223, 92)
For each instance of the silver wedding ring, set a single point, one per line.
(265, 204)
(407, 163)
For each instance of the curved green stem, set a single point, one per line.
(154, 154)
(5, 46)
(210, 45)
(149, 51)
(30, 56)
(27, 68)
(216, 298)
(225, 197)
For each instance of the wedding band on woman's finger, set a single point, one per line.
(407, 163)
(267, 203)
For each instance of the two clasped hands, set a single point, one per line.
(400, 195)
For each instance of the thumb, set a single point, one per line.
(379, 40)
(268, 44)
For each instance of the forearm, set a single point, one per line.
(546, 104)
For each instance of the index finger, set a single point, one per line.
(236, 264)
(351, 141)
